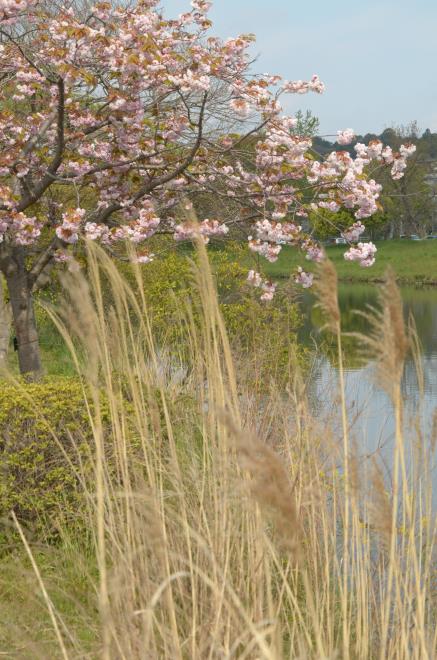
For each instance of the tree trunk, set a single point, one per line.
(20, 295)
(5, 326)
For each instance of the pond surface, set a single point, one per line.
(370, 410)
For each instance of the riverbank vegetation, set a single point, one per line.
(180, 506)
(413, 262)
(167, 288)
(167, 490)
(167, 283)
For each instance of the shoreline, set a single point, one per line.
(405, 281)
(414, 264)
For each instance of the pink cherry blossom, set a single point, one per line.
(144, 226)
(206, 229)
(61, 256)
(346, 136)
(24, 230)
(315, 253)
(353, 233)
(398, 167)
(387, 155)
(277, 232)
(302, 87)
(254, 278)
(303, 278)
(184, 232)
(94, 231)
(407, 150)
(11, 9)
(269, 289)
(363, 253)
(266, 250)
(144, 258)
(374, 149)
(240, 106)
(209, 228)
(201, 6)
(332, 206)
(71, 225)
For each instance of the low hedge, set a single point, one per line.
(43, 426)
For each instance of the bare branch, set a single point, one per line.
(43, 130)
(47, 179)
(160, 181)
(43, 261)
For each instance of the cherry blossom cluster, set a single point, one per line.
(22, 229)
(346, 136)
(363, 253)
(267, 250)
(69, 230)
(303, 278)
(201, 6)
(314, 252)
(11, 9)
(25, 230)
(302, 87)
(94, 232)
(353, 233)
(267, 287)
(271, 236)
(240, 106)
(143, 257)
(256, 95)
(144, 226)
(276, 232)
(351, 189)
(205, 230)
(375, 150)
(62, 256)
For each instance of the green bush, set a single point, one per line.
(264, 331)
(169, 288)
(169, 284)
(43, 426)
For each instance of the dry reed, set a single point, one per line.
(213, 541)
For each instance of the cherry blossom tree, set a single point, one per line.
(111, 116)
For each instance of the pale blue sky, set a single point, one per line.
(378, 58)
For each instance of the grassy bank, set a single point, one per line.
(412, 261)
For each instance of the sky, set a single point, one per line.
(377, 58)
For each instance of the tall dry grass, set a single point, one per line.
(229, 524)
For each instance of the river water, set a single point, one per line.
(370, 411)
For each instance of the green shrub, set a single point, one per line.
(169, 284)
(267, 330)
(264, 331)
(43, 426)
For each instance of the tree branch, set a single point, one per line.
(43, 130)
(43, 260)
(160, 181)
(47, 179)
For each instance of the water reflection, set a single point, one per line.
(369, 408)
